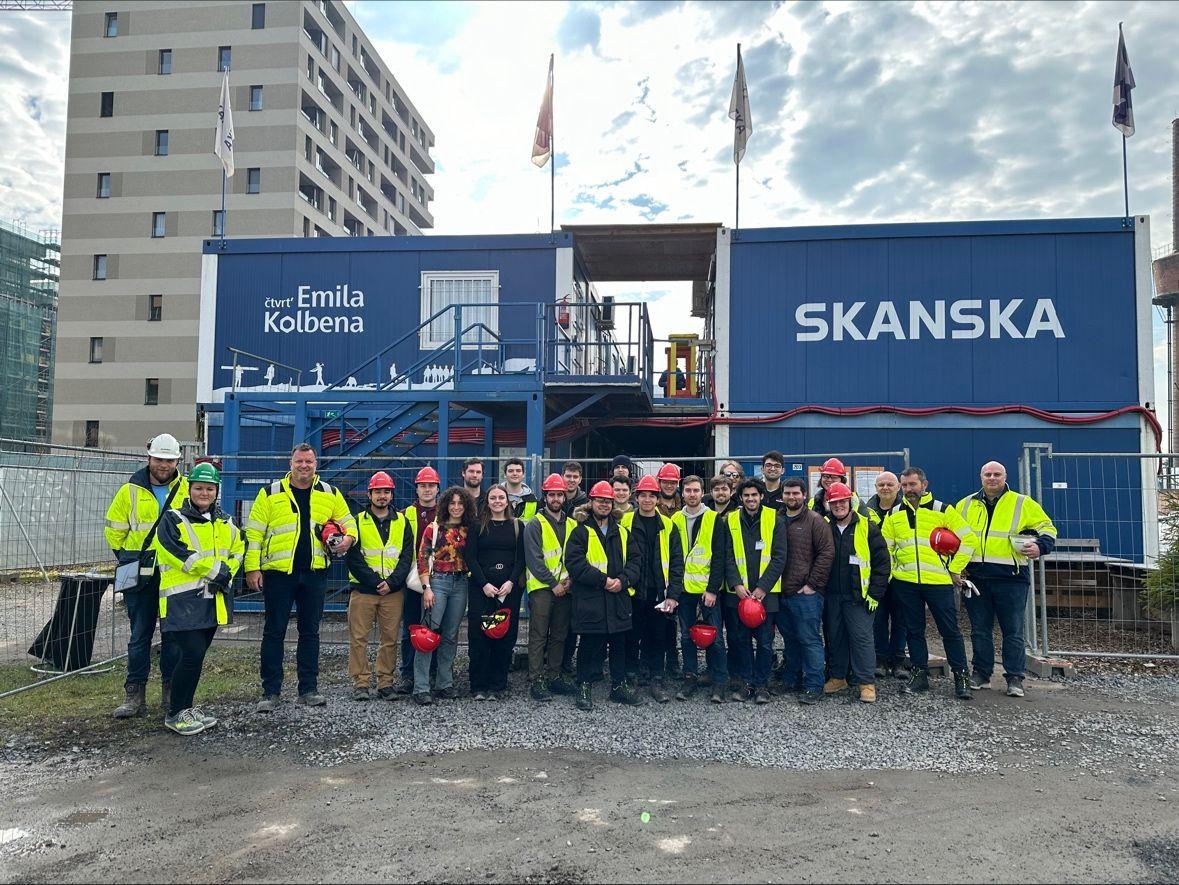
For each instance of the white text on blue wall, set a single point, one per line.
(315, 310)
(969, 318)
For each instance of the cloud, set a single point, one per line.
(580, 29)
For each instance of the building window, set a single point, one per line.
(158, 222)
(224, 55)
(253, 180)
(306, 227)
(444, 288)
(161, 142)
(100, 267)
(96, 350)
(165, 61)
(104, 185)
(331, 208)
(151, 391)
(106, 105)
(218, 223)
(310, 68)
(336, 58)
(258, 16)
(155, 308)
(255, 98)
(92, 434)
(333, 133)
(354, 45)
(111, 26)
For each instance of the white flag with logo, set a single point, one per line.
(739, 111)
(223, 147)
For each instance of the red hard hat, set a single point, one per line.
(496, 624)
(423, 639)
(553, 483)
(669, 472)
(331, 533)
(381, 480)
(602, 489)
(751, 612)
(837, 491)
(703, 635)
(648, 484)
(428, 474)
(834, 467)
(944, 541)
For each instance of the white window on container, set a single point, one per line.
(476, 290)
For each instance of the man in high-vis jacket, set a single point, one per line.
(287, 562)
(549, 600)
(1013, 531)
(131, 522)
(420, 514)
(702, 536)
(920, 577)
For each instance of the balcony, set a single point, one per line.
(329, 168)
(312, 112)
(354, 155)
(367, 202)
(370, 67)
(421, 160)
(369, 136)
(357, 86)
(330, 91)
(329, 11)
(353, 225)
(311, 193)
(315, 34)
(389, 190)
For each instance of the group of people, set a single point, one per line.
(630, 581)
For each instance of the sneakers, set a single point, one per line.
(1015, 686)
(918, 682)
(404, 686)
(585, 697)
(563, 684)
(832, 686)
(184, 723)
(810, 698)
(387, 693)
(761, 695)
(423, 698)
(268, 704)
(134, 704)
(962, 686)
(868, 694)
(204, 717)
(361, 694)
(540, 690)
(659, 691)
(978, 682)
(624, 693)
(718, 694)
(313, 699)
(687, 688)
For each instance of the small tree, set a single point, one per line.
(1161, 594)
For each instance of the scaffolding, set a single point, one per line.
(29, 270)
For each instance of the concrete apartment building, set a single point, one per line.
(327, 144)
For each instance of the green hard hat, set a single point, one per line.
(205, 472)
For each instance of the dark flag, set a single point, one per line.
(1123, 107)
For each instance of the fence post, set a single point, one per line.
(906, 453)
(1032, 633)
(537, 478)
(1041, 570)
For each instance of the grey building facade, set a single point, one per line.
(327, 144)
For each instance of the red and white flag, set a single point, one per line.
(542, 142)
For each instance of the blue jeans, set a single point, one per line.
(752, 667)
(800, 620)
(304, 590)
(143, 609)
(450, 607)
(691, 609)
(1006, 600)
(889, 630)
(943, 606)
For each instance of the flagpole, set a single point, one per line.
(553, 158)
(737, 220)
(223, 202)
(1125, 178)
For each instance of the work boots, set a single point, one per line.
(659, 691)
(624, 693)
(962, 686)
(585, 697)
(918, 682)
(135, 704)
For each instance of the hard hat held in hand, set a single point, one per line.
(164, 446)
(838, 492)
(497, 623)
(423, 639)
(553, 483)
(332, 535)
(703, 635)
(751, 612)
(944, 542)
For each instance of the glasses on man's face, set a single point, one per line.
(731, 475)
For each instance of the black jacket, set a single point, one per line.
(596, 609)
(576, 501)
(873, 504)
(845, 577)
(758, 576)
(650, 587)
(367, 577)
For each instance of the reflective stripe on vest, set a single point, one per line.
(998, 540)
(697, 559)
(176, 579)
(769, 518)
(380, 556)
(665, 529)
(595, 553)
(553, 552)
(864, 555)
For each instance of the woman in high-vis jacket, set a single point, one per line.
(199, 550)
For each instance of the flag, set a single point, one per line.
(739, 111)
(223, 147)
(1123, 108)
(542, 142)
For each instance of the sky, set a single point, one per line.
(862, 112)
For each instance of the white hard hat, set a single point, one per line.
(164, 446)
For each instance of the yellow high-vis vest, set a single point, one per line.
(769, 519)
(698, 556)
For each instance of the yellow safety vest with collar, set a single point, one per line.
(1013, 515)
(553, 551)
(528, 511)
(210, 542)
(134, 510)
(665, 529)
(769, 519)
(595, 553)
(698, 556)
(380, 556)
(272, 529)
(864, 555)
(906, 530)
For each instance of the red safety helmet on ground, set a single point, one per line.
(669, 472)
(496, 623)
(838, 492)
(428, 474)
(553, 483)
(381, 480)
(703, 635)
(943, 541)
(423, 639)
(751, 612)
(834, 467)
(602, 489)
(332, 534)
(647, 484)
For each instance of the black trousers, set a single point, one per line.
(649, 639)
(490, 659)
(191, 646)
(590, 649)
